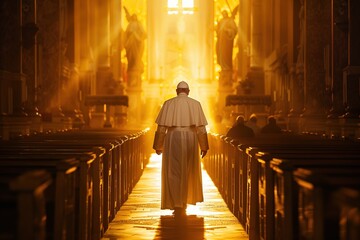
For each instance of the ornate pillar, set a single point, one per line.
(29, 53)
(83, 57)
(255, 76)
(115, 37)
(339, 46)
(99, 20)
(351, 73)
(116, 33)
(69, 58)
(243, 41)
(103, 75)
(12, 81)
(49, 44)
(297, 70)
(256, 58)
(296, 59)
(317, 35)
(256, 73)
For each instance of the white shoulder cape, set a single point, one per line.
(181, 111)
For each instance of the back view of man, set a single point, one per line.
(252, 123)
(240, 130)
(271, 126)
(181, 129)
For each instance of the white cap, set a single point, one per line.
(182, 84)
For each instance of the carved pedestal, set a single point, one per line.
(103, 119)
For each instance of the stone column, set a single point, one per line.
(12, 81)
(83, 57)
(99, 19)
(255, 78)
(296, 60)
(317, 35)
(351, 73)
(243, 41)
(103, 79)
(256, 58)
(29, 52)
(297, 57)
(115, 37)
(116, 32)
(256, 73)
(339, 46)
(49, 43)
(69, 92)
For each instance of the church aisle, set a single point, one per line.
(141, 218)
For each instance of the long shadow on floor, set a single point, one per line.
(185, 227)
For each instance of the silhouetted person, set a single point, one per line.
(271, 126)
(181, 130)
(252, 123)
(240, 130)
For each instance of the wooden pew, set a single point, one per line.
(128, 149)
(91, 213)
(109, 169)
(285, 204)
(249, 173)
(116, 164)
(241, 172)
(115, 174)
(347, 200)
(60, 196)
(318, 210)
(264, 183)
(131, 157)
(22, 203)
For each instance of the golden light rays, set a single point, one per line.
(178, 47)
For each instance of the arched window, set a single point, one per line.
(180, 6)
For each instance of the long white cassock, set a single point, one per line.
(181, 129)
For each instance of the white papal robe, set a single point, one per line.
(182, 120)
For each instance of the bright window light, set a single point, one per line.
(188, 3)
(180, 6)
(173, 3)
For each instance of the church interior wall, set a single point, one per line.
(302, 53)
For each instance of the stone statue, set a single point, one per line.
(134, 43)
(226, 31)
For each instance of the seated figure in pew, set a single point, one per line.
(271, 126)
(240, 130)
(252, 123)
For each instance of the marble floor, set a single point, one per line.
(141, 218)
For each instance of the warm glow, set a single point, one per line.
(173, 3)
(155, 162)
(180, 48)
(188, 3)
(178, 6)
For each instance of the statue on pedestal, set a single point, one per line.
(134, 47)
(226, 31)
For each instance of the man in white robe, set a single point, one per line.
(181, 131)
